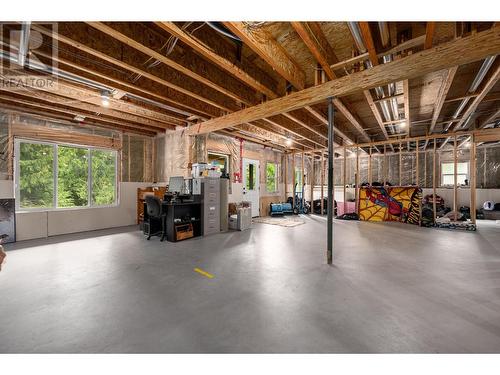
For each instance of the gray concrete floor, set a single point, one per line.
(394, 288)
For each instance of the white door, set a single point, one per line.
(251, 184)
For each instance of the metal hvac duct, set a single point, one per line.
(485, 67)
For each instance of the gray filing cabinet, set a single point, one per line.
(210, 195)
(224, 208)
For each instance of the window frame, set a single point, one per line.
(442, 175)
(55, 146)
(276, 177)
(226, 156)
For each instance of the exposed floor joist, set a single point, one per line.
(457, 52)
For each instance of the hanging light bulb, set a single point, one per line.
(105, 99)
(289, 141)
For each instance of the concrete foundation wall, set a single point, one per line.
(41, 224)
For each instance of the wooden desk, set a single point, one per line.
(141, 197)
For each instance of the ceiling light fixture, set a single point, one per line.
(289, 141)
(105, 99)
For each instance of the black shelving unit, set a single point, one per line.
(184, 211)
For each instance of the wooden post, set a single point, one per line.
(455, 181)
(370, 177)
(285, 177)
(417, 165)
(311, 182)
(484, 168)
(472, 179)
(153, 159)
(10, 149)
(293, 180)
(322, 181)
(128, 158)
(356, 181)
(385, 166)
(425, 168)
(400, 161)
(344, 179)
(434, 181)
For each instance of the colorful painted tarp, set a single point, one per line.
(390, 204)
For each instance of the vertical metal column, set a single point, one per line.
(330, 208)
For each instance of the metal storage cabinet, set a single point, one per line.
(211, 205)
(224, 210)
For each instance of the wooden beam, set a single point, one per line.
(429, 34)
(317, 44)
(350, 61)
(342, 108)
(472, 180)
(489, 119)
(304, 125)
(51, 134)
(222, 62)
(50, 108)
(68, 97)
(448, 76)
(128, 87)
(406, 99)
(237, 134)
(262, 43)
(409, 44)
(376, 113)
(367, 38)
(274, 123)
(132, 68)
(65, 118)
(165, 60)
(478, 99)
(446, 55)
(323, 119)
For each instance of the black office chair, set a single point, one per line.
(154, 214)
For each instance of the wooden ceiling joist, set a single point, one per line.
(270, 51)
(406, 99)
(492, 81)
(369, 44)
(495, 115)
(71, 99)
(136, 68)
(448, 76)
(167, 61)
(50, 107)
(316, 42)
(63, 115)
(429, 34)
(457, 52)
(376, 113)
(127, 87)
(295, 133)
(314, 39)
(222, 62)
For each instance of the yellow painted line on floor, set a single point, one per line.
(204, 273)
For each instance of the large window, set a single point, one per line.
(448, 174)
(50, 176)
(271, 177)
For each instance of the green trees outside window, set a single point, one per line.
(36, 171)
(271, 177)
(78, 170)
(72, 176)
(103, 177)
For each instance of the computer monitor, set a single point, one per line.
(176, 185)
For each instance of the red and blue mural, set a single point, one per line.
(392, 203)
